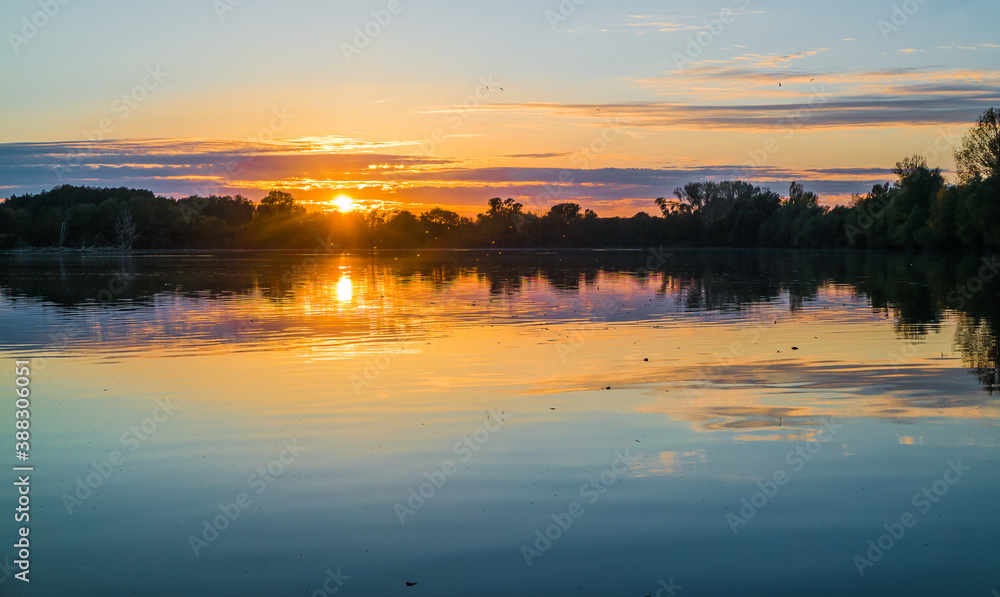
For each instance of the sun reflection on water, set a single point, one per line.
(344, 289)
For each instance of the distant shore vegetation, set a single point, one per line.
(919, 210)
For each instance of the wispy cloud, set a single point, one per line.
(730, 94)
(775, 60)
(953, 106)
(538, 156)
(658, 23)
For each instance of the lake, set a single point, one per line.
(614, 423)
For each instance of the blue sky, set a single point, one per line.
(683, 90)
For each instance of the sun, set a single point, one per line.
(344, 203)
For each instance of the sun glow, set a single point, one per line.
(343, 203)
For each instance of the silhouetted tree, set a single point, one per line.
(502, 222)
(278, 203)
(978, 156)
(910, 203)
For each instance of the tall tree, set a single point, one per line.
(126, 231)
(910, 204)
(979, 155)
(799, 198)
(278, 203)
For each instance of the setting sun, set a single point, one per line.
(344, 203)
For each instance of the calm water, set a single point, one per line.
(732, 423)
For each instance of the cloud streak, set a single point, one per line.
(904, 97)
(956, 106)
(187, 166)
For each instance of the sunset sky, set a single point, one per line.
(447, 103)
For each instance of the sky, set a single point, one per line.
(416, 104)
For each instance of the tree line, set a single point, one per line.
(919, 210)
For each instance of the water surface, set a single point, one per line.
(647, 402)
